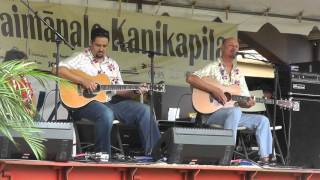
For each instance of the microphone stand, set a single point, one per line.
(151, 55)
(152, 113)
(275, 97)
(59, 39)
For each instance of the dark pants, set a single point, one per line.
(128, 112)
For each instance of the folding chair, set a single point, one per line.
(83, 146)
(245, 147)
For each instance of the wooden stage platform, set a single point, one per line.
(46, 170)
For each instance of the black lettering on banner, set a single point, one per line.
(28, 26)
(6, 25)
(159, 38)
(133, 43)
(147, 34)
(181, 49)
(117, 34)
(75, 36)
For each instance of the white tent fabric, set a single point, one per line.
(288, 16)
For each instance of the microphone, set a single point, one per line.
(240, 53)
(235, 54)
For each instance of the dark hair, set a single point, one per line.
(14, 54)
(99, 32)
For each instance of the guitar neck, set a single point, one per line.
(122, 87)
(258, 100)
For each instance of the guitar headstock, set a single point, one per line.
(289, 104)
(161, 87)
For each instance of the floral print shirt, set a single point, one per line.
(26, 89)
(217, 71)
(85, 62)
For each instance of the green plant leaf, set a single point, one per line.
(13, 115)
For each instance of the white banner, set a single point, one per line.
(183, 45)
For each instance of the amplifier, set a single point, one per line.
(195, 145)
(312, 67)
(303, 132)
(58, 142)
(300, 84)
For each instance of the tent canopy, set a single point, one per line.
(284, 8)
(288, 16)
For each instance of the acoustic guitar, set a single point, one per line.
(205, 103)
(74, 95)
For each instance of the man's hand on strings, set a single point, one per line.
(143, 88)
(219, 95)
(89, 84)
(249, 103)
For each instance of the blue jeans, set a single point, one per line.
(232, 118)
(128, 112)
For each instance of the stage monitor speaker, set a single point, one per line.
(174, 97)
(195, 145)
(58, 142)
(304, 149)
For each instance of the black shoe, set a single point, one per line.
(273, 162)
(264, 161)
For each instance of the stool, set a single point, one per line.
(241, 148)
(79, 146)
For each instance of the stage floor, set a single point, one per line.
(47, 170)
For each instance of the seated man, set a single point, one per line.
(94, 61)
(225, 72)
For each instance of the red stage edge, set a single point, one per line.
(45, 170)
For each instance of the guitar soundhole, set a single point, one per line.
(228, 95)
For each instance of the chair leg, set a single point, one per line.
(243, 146)
(275, 138)
(78, 143)
(119, 141)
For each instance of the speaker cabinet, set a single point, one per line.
(58, 143)
(195, 145)
(175, 96)
(303, 128)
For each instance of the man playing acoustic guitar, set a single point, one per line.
(81, 68)
(224, 73)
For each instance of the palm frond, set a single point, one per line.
(13, 114)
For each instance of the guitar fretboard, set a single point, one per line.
(121, 87)
(258, 100)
